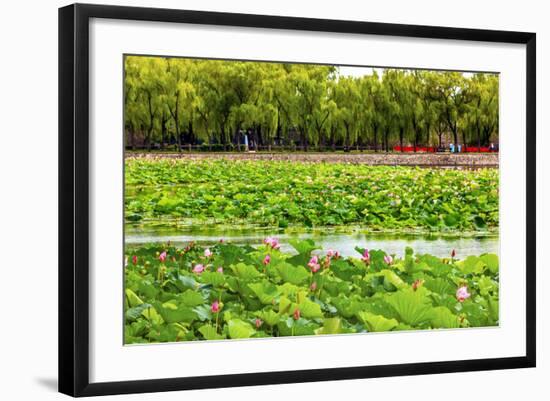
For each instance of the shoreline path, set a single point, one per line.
(464, 160)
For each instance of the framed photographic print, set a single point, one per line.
(249, 199)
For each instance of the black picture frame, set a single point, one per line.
(74, 198)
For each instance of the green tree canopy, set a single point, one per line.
(184, 102)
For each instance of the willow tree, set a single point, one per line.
(347, 99)
(449, 90)
(266, 118)
(376, 107)
(179, 95)
(482, 110)
(213, 101)
(307, 96)
(399, 111)
(131, 103)
(143, 102)
(430, 110)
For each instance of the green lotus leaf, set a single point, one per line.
(245, 272)
(442, 318)
(491, 260)
(292, 274)
(265, 291)
(209, 332)
(190, 298)
(174, 313)
(377, 322)
(412, 307)
(331, 325)
(240, 329)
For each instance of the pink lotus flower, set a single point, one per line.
(207, 253)
(388, 259)
(313, 286)
(453, 253)
(258, 323)
(162, 256)
(134, 259)
(266, 260)
(215, 308)
(333, 254)
(198, 269)
(272, 242)
(296, 314)
(366, 256)
(219, 269)
(462, 294)
(314, 264)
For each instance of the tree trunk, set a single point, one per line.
(375, 139)
(178, 137)
(132, 139)
(175, 115)
(163, 132)
(415, 141)
(455, 135)
(260, 136)
(346, 144)
(302, 139)
(190, 133)
(487, 135)
(151, 118)
(237, 135)
(427, 135)
(223, 138)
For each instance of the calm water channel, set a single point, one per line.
(343, 242)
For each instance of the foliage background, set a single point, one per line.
(183, 100)
(28, 339)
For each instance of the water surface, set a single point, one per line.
(344, 242)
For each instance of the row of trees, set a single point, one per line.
(185, 101)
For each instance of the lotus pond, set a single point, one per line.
(233, 292)
(285, 194)
(231, 249)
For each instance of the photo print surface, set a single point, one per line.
(268, 199)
